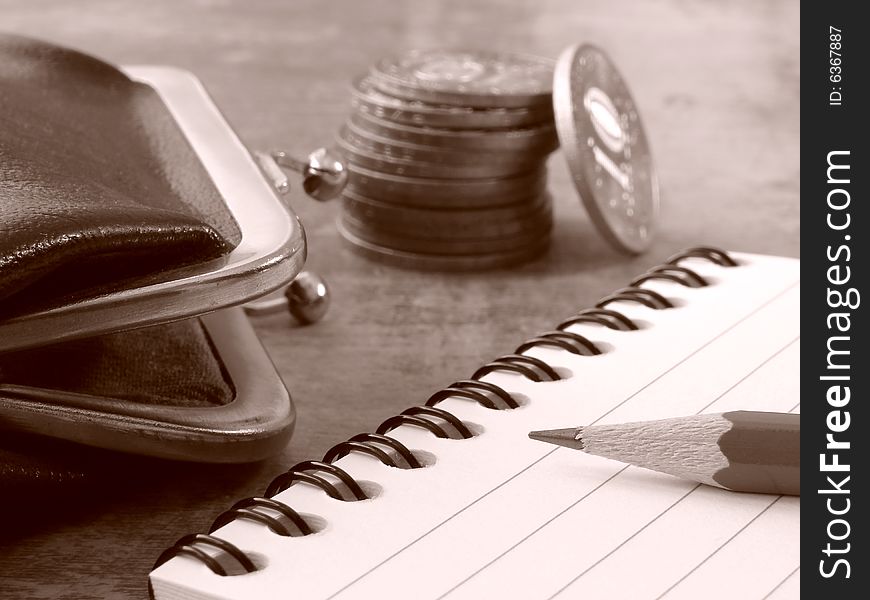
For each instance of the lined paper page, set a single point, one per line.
(503, 515)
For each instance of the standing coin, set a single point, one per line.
(369, 100)
(606, 147)
(475, 78)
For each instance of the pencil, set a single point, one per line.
(742, 451)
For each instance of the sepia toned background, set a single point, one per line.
(717, 85)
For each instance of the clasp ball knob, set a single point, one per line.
(323, 174)
(307, 297)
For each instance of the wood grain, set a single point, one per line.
(717, 85)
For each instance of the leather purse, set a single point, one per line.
(129, 214)
(98, 185)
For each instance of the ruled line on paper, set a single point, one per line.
(780, 584)
(696, 351)
(442, 523)
(742, 379)
(625, 541)
(533, 532)
(721, 546)
(647, 385)
(752, 372)
(702, 347)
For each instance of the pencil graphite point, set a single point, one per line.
(570, 438)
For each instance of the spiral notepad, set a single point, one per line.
(450, 499)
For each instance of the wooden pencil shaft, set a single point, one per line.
(763, 452)
(745, 451)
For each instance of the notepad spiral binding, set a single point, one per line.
(283, 520)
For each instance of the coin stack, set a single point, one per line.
(446, 153)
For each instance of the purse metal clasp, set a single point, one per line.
(323, 174)
(323, 178)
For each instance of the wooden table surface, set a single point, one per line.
(717, 85)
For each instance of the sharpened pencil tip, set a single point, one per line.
(570, 438)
